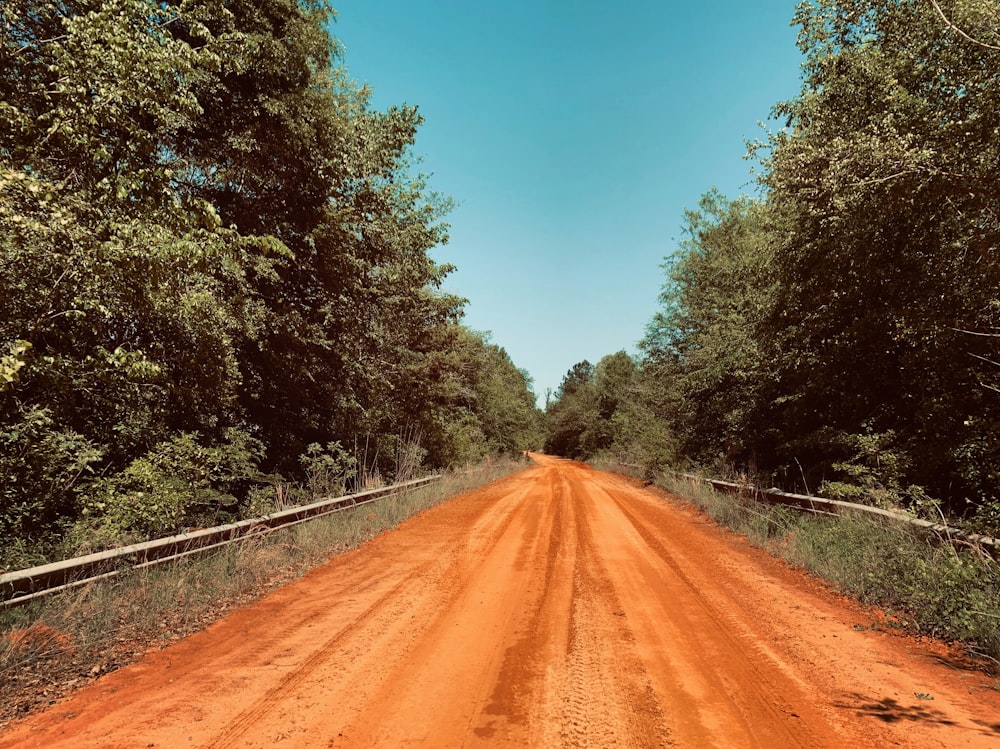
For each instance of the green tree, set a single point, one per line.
(213, 256)
(590, 413)
(468, 399)
(571, 417)
(704, 352)
(888, 273)
(130, 297)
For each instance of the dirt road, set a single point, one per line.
(560, 607)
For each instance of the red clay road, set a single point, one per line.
(560, 607)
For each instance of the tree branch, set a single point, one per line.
(989, 387)
(983, 358)
(957, 30)
(973, 332)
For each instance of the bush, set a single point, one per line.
(41, 470)
(179, 483)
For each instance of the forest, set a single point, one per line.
(215, 277)
(217, 283)
(839, 333)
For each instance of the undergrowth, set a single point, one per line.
(54, 644)
(928, 584)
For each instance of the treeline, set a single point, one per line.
(214, 275)
(841, 334)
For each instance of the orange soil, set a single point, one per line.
(40, 638)
(558, 607)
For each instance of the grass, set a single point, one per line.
(57, 643)
(929, 585)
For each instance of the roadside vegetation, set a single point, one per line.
(839, 333)
(925, 583)
(64, 641)
(216, 280)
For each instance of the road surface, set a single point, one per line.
(560, 607)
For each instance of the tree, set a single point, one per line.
(705, 351)
(131, 298)
(889, 165)
(590, 410)
(468, 399)
(213, 260)
(573, 413)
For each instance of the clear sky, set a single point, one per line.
(573, 135)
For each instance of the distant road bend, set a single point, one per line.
(560, 607)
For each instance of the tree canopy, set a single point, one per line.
(213, 262)
(840, 332)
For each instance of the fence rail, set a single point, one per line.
(26, 585)
(821, 506)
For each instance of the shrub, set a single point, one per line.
(178, 483)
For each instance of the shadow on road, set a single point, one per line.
(889, 710)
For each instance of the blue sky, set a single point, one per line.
(573, 135)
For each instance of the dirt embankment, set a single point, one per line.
(558, 607)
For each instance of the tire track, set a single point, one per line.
(522, 670)
(755, 690)
(443, 578)
(607, 698)
(243, 722)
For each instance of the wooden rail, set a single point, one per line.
(26, 585)
(822, 506)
